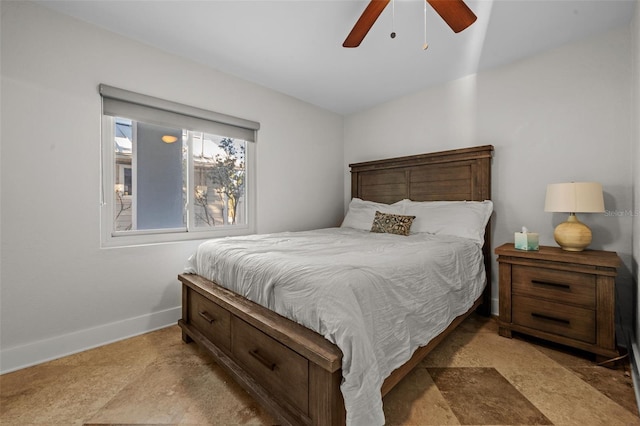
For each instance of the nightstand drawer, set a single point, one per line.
(560, 286)
(569, 321)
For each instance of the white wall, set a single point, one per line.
(561, 116)
(60, 292)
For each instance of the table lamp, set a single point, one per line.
(572, 198)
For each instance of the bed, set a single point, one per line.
(292, 370)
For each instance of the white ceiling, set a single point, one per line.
(295, 46)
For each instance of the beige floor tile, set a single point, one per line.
(417, 401)
(463, 349)
(161, 395)
(565, 399)
(59, 394)
(481, 394)
(228, 405)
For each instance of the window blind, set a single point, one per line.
(123, 103)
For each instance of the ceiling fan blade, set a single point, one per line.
(365, 22)
(454, 12)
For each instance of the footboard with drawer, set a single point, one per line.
(291, 370)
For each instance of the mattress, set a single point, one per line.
(378, 297)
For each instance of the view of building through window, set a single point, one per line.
(167, 178)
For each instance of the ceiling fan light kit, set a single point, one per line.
(454, 12)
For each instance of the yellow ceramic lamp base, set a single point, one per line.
(572, 235)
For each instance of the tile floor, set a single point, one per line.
(475, 377)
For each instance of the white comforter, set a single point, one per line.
(378, 297)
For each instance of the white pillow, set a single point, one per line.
(361, 213)
(466, 219)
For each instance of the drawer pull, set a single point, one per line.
(549, 284)
(206, 316)
(264, 361)
(547, 317)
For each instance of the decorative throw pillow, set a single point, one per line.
(392, 223)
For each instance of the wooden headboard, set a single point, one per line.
(455, 175)
(459, 174)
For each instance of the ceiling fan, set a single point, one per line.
(454, 12)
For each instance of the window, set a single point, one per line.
(173, 172)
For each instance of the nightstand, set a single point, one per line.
(565, 297)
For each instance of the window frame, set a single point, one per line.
(110, 237)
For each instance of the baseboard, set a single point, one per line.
(634, 358)
(19, 357)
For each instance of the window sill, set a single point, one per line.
(144, 238)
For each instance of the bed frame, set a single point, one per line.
(293, 371)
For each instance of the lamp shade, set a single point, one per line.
(574, 197)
